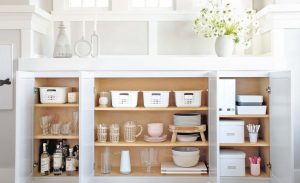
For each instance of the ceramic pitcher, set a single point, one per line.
(130, 131)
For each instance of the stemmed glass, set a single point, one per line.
(75, 118)
(148, 158)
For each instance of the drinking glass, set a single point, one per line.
(55, 129)
(45, 124)
(75, 117)
(105, 161)
(66, 129)
(148, 158)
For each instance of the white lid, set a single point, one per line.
(229, 153)
(232, 123)
(249, 98)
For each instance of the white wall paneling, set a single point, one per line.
(6, 76)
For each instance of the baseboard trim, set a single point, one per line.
(7, 175)
(297, 175)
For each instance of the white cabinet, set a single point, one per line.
(275, 149)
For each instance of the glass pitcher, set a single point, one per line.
(131, 131)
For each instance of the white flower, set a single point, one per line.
(215, 21)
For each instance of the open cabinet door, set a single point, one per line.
(24, 127)
(213, 119)
(281, 134)
(86, 126)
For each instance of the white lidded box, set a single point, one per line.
(124, 98)
(188, 98)
(156, 98)
(251, 109)
(54, 95)
(249, 100)
(232, 131)
(232, 162)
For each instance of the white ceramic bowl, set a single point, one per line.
(187, 138)
(186, 161)
(185, 151)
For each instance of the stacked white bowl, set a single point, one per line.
(186, 156)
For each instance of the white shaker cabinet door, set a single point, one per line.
(6, 76)
(281, 133)
(213, 118)
(86, 126)
(24, 127)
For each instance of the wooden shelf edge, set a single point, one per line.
(140, 171)
(55, 105)
(151, 144)
(260, 143)
(56, 137)
(204, 108)
(245, 116)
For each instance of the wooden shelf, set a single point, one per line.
(245, 116)
(37, 174)
(260, 143)
(141, 143)
(56, 137)
(204, 108)
(56, 105)
(141, 171)
(262, 174)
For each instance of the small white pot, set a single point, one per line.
(224, 46)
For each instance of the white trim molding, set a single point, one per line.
(279, 16)
(7, 175)
(297, 175)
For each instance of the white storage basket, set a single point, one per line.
(124, 98)
(156, 98)
(188, 98)
(54, 95)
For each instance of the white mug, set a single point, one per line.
(125, 166)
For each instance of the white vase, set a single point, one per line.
(224, 46)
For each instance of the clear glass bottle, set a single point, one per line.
(70, 163)
(45, 161)
(57, 161)
(62, 45)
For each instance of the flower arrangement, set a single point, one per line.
(215, 21)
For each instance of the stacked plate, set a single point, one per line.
(187, 119)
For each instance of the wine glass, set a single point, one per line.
(148, 158)
(75, 118)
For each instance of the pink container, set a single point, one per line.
(155, 129)
(255, 169)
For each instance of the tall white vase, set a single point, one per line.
(125, 166)
(224, 46)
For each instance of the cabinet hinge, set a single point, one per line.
(35, 164)
(35, 90)
(269, 165)
(269, 90)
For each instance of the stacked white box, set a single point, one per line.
(232, 162)
(232, 131)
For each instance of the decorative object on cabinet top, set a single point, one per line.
(62, 47)
(230, 26)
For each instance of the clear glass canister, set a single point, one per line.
(62, 47)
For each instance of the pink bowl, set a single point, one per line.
(155, 129)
